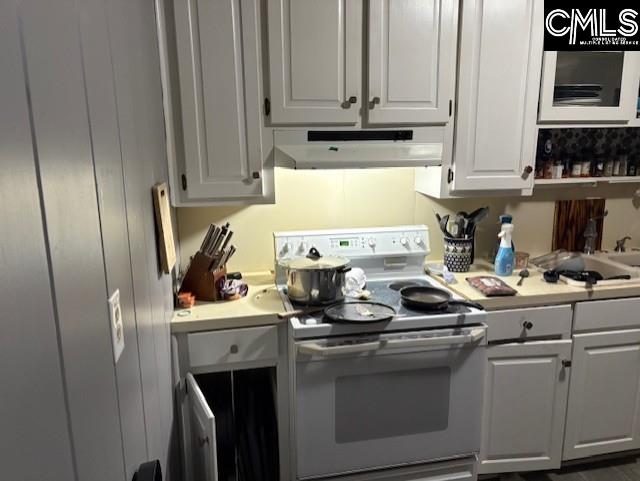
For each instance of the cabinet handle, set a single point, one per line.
(374, 101)
(351, 100)
(528, 325)
(203, 441)
(566, 363)
(255, 175)
(234, 349)
(527, 171)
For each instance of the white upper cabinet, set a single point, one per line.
(316, 61)
(218, 62)
(315, 53)
(589, 87)
(498, 84)
(412, 58)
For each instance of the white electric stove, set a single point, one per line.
(382, 397)
(392, 258)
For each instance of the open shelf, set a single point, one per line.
(589, 180)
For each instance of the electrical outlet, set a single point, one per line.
(117, 329)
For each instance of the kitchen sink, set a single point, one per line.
(631, 259)
(608, 266)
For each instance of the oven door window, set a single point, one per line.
(390, 404)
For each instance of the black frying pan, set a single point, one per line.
(354, 312)
(431, 299)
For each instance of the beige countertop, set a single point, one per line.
(260, 307)
(534, 290)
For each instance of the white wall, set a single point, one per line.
(325, 199)
(384, 197)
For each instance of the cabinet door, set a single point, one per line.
(525, 402)
(589, 86)
(218, 62)
(602, 415)
(203, 434)
(499, 74)
(315, 51)
(412, 57)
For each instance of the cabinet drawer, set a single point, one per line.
(529, 323)
(234, 345)
(610, 314)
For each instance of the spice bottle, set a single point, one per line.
(598, 170)
(616, 166)
(608, 167)
(585, 170)
(566, 165)
(623, 160)
(632, 168)
(576, 167)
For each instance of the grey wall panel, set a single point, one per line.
(113, 219)
(53, 59)
(138, 90)
(35, 441)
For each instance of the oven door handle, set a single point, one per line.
(317, 349)
(472, 336)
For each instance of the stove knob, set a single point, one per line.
(404, 241)
(418, 241)
(371, 242)
(286, 247)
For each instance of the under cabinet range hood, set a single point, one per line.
(346, 149)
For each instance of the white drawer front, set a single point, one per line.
(233, 345)
(529, 323)
(609, 314)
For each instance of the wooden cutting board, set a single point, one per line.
(164, 226)
(571, 219)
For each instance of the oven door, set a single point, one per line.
(386, 400)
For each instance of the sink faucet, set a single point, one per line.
(620, 244)
(591, 233)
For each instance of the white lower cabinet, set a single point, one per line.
(525, 401)
(203, 434)
(231, 390)
(604, 397)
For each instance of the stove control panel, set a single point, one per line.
(372, 242)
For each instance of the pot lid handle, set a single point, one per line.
(314, 254)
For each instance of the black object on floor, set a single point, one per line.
(149, 471)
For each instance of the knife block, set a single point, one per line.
(200, 281)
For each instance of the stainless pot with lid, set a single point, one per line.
(315, 279)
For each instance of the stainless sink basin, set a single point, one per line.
(607, 266)
(631, 259)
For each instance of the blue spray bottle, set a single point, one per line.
(505, 256)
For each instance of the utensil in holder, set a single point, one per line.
(202, 282)
(458, 254)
